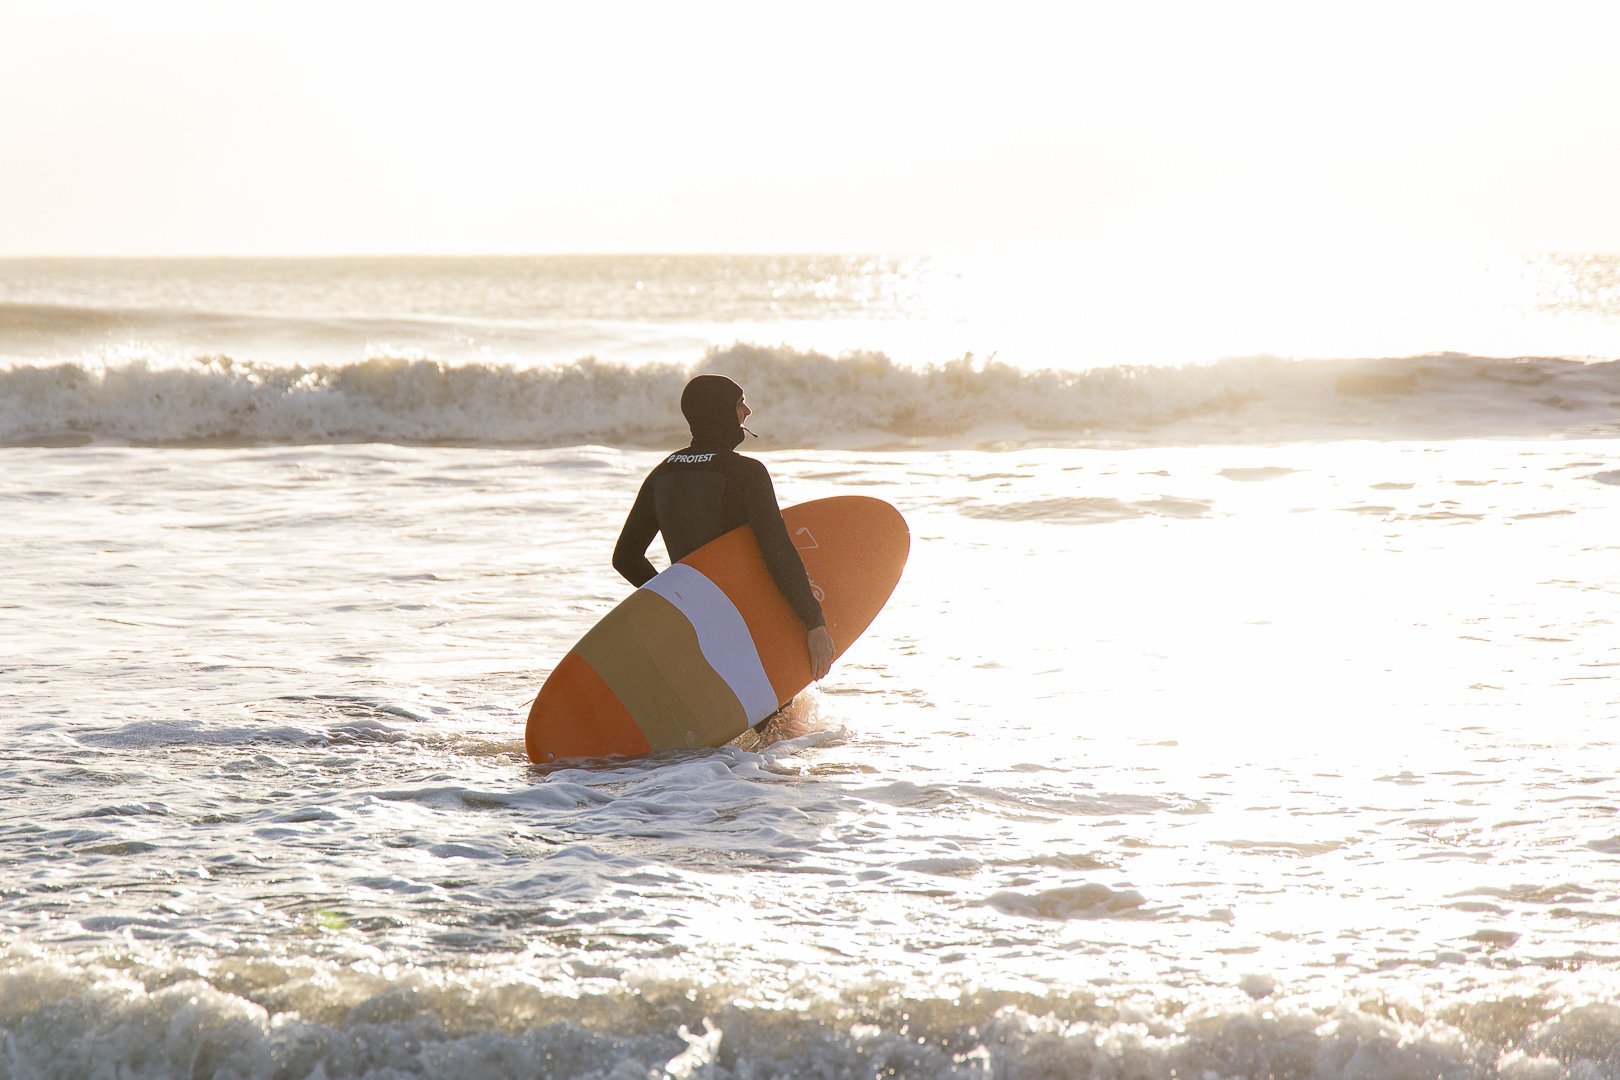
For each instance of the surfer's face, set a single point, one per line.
(743, 411)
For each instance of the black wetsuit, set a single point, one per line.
(700, 493)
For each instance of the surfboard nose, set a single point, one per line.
(576, 714)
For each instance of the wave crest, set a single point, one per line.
(802, 398)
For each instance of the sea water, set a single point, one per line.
(1237, 716)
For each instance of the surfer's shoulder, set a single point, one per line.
(747, 465)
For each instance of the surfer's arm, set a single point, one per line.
(630, 553)
(781, 559)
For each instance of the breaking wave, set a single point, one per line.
(802, 398)
(289, 1017)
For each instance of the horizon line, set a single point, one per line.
(578, 254)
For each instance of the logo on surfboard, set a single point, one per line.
(809, 543)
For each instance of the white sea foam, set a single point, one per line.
(273, 1017)
(802, 399)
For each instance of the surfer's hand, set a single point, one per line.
(820, 644)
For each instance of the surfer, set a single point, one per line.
(707, 489)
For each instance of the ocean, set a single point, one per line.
(1248, 707)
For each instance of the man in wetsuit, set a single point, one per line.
(708, 489)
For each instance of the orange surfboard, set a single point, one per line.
(710, 647)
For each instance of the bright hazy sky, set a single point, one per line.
(189, 127)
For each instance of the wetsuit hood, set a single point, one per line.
(709, 404)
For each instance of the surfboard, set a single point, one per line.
(710, 647)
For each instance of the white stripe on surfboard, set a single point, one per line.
(722, 636)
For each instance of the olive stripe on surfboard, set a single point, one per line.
(685, 702)
(671, 642)
(722, 635)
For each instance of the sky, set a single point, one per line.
(168, 127)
